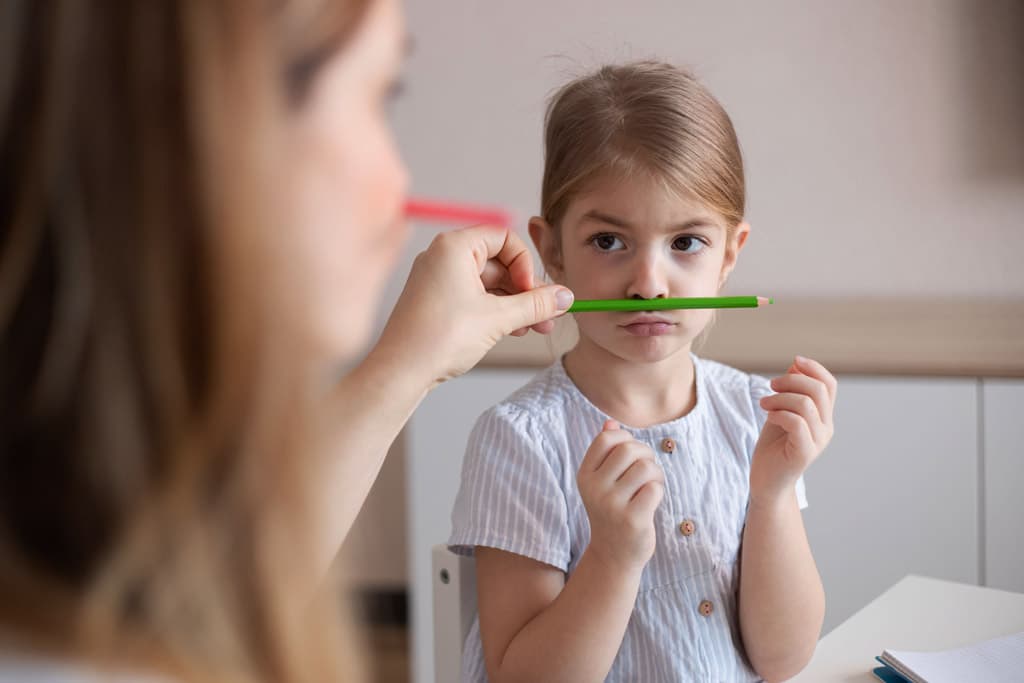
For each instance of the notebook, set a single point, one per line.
(1000, 660)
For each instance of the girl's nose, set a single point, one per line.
(648, 279)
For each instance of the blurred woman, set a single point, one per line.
(200, 201)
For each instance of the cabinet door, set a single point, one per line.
(896, 492)
(1003, 465)
(436, 442)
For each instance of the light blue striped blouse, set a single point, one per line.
(519, 494)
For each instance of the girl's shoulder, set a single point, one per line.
(547, 397)
(529, 425)
(728, 378)
(729, 387)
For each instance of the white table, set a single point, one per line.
(917, 613)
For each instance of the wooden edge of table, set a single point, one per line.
(926, 337)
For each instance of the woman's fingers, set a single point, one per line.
(496, 279)
(505, 262)
(531, 307)
(502, 245)
(445, 320)
(545, 327)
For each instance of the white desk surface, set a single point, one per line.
(917, 613)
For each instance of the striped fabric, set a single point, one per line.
(519, 494)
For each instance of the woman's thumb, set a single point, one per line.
(534, 306)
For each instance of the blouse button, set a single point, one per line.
(668, 445)
(687, 527)
(706, 608)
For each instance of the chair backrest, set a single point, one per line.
(454, 588)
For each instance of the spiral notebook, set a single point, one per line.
(1000, 660)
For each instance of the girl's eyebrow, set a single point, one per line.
(602, 217)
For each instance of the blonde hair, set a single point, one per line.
(641, 117)
(154, 464)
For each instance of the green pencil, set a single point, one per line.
(591, 305)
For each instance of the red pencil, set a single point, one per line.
(455, 213)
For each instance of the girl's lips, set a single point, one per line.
(649, 329)
(646, 318)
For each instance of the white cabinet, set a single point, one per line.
(1002, 407)
(436, 442)
(896, 491)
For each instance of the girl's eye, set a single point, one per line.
(688, 244)
(607, 242)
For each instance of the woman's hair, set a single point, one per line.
(153, 486)
(642, 117)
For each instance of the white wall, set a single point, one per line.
(884, 140)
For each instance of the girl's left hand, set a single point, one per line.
(798, 427)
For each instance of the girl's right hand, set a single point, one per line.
(621, 485)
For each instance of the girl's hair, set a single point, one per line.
(642, 117)
(153, 482)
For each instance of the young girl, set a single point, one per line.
(635, 510)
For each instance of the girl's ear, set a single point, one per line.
(545, 239)
(732, 250)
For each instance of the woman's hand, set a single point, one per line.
(469, 289)
(621, 485)
(798, 427)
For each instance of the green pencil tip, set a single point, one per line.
(771, 300)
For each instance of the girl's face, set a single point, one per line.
(634, 239)
(345, 189)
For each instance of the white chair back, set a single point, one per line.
(454, 588)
